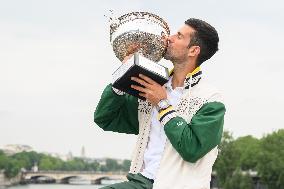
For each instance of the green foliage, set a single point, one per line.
(265, 156)
(76, 164)
(126, 165)
(111, 165)
(227, 160)
(94, 166)
(236, 158)
(249, 149)
(12, 168)
(239, 154)
(271, 160)
(27, 159)
(13, 164)
(3, 160)
(239, 180)
(50, 163)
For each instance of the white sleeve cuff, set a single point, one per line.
(117, 91)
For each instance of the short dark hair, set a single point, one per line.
(205, 36)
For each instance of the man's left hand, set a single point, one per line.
(151, 90)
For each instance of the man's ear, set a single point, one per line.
(194, 51)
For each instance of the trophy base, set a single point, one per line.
(132, 68)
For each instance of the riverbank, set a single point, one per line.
(4, 182)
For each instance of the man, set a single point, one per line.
(179, 125)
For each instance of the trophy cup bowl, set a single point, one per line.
(146, 31)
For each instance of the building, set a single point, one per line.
(11, 149)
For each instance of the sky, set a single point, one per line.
(56, 59)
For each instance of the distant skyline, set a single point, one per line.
(56, 59)
(83, 152)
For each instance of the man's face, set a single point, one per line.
(177, 50)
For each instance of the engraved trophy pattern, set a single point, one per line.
(145, 30)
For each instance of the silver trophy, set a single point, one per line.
(145, 31)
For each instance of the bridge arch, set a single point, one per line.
(65, 176)
(77, 179)
(42, 179)
(99, 180)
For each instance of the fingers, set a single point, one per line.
(147, 79)
(140, 89)
(149, 89)
(140, 81)
(143, 95)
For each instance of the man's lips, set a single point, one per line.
(168, 47)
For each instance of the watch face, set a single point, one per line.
(163, 104)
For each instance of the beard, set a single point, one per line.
(167, 54)
(175, 57)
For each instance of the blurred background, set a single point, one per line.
(56, 59)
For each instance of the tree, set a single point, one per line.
(12, 168)
(249, 149)
(239, 180)
(50, 163)
(270, 161)
(13, 164)
(46, 164)
(227, 160)
(111, 165)
(27, 159)
(94, 166)
(76, 164)
(126, 165)
(3, 160)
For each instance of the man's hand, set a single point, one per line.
(152, 91)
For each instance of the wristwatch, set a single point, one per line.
(163, 104)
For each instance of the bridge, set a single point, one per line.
(94, 177)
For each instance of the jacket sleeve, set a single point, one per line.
(117, 113)
(192, 141)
